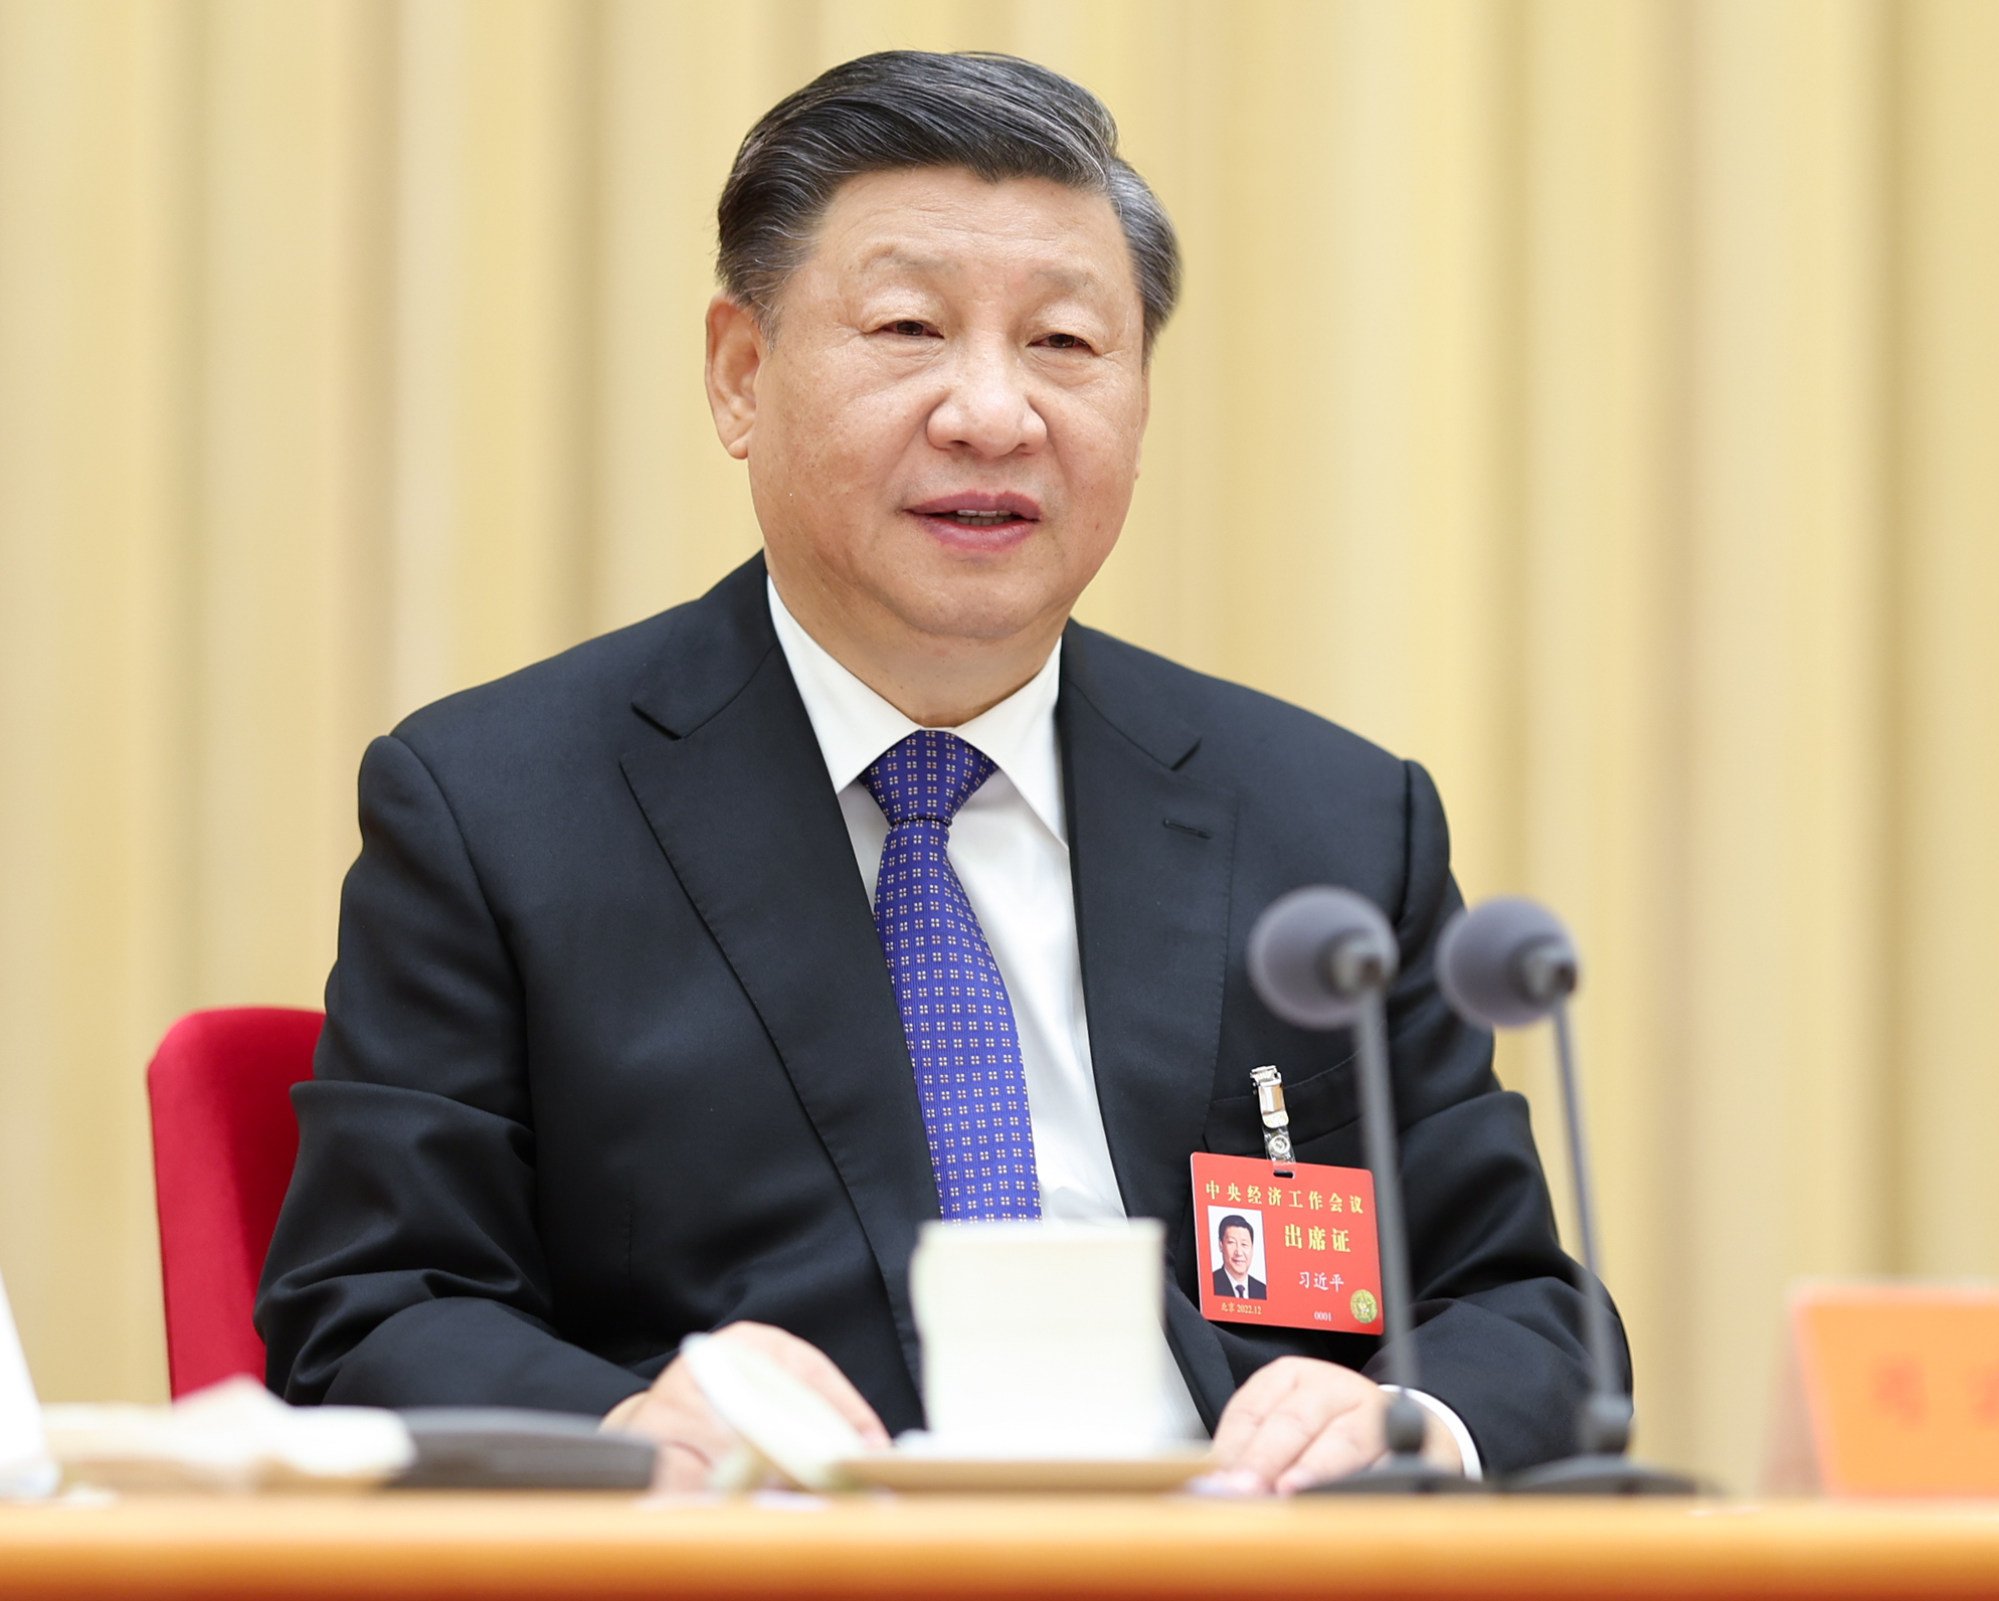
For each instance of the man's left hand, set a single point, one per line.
(1298, 1421)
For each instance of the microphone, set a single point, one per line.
(1323, 958)
(1506, 964)
(1317, 955)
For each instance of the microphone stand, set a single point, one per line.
(1404, 1470)
(1601, 1468)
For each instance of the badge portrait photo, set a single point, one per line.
(1235, 1252)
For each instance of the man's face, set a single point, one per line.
(943, 425)
(1236, 1246)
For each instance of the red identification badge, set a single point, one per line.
(1297, 1251)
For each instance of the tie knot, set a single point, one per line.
(929, 775)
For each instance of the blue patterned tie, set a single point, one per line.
(955, 1011)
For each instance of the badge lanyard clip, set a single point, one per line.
(1276, 1121)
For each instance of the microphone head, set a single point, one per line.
(1317, 954)
(1506, 963)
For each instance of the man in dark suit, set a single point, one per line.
(1232, 1276)
(683, 976)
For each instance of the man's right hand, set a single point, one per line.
(692, 1440)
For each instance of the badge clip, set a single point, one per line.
(1276, 1121)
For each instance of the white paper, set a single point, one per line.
(25, 1468)
(234, 1435)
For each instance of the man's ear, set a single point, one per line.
(735, 353)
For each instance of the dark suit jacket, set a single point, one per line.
(1226, 1290)
(612, 1054)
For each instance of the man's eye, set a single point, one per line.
(1065, 342)
(907, 327)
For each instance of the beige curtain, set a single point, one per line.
(1598, 399)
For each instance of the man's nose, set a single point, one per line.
(988, 403)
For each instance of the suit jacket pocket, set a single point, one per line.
(1319, 1105)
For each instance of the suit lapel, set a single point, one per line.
(731, 781)
(1152, 850)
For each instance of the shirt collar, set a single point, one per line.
(854, 725)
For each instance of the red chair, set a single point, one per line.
(224, 1141)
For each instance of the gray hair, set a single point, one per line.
(995, 115)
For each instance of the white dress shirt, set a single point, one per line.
(1009, 846)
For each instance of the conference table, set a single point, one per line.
(411, 1544)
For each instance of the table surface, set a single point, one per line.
(498, 1546)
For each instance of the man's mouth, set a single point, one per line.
(980, 509)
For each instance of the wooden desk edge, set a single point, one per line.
(505, 1546)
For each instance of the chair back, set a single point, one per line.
(224, 1143)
